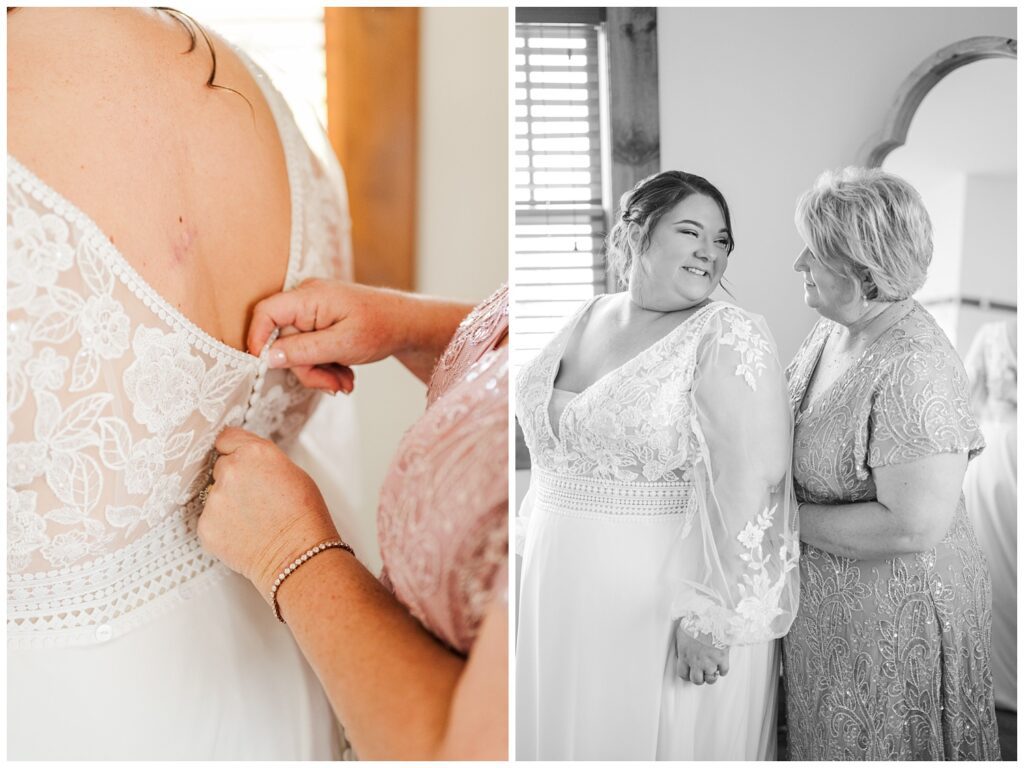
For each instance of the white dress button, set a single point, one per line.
(104, 633)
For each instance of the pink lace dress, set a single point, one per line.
(443, 516)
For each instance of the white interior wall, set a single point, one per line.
(989, 265)
(990, 238)
(945, 199)
(462, 219)
(761, 100)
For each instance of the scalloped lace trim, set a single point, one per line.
(104, 599)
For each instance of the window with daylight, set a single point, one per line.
(287, 39)
(558, 259)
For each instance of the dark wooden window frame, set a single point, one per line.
(632, 88)
(372, 120)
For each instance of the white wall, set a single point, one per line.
(462, 219)
(761, 100)
(990, 237)
(989, 264)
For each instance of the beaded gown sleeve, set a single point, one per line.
(444, 504)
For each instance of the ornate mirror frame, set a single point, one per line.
(917, 85)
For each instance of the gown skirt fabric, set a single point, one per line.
(990, 488)
(596, 587)
(243, 693)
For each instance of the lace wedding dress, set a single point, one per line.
(125, 639)
(990, 488)
(661, 493)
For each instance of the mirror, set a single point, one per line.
(957, 114)
(952, 133)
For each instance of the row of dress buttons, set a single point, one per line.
(104, 632)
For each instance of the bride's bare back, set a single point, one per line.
(187, 181)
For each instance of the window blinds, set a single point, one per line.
(558, 259)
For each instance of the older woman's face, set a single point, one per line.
(824, 290)
(687, 256)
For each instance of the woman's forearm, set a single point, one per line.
(428, 324)
(390, 682)
(863, 530)
(915, 507)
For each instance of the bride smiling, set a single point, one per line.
(660, 551)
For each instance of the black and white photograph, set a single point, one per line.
(764, 341)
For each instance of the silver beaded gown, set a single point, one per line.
(888, 659)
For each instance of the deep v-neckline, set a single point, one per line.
(805, 408)
(53, 200)
(559, 354)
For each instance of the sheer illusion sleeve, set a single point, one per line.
(921, 406)
(748, 584)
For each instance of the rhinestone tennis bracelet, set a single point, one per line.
(294, 565)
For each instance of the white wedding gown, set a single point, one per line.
(661, 493)
(990, 492)
(125, 639)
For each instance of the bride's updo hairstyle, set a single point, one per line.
(641, 209)
(870, 227)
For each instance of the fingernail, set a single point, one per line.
(277, 358)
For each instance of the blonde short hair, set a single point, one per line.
(870, 226)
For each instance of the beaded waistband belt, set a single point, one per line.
(584, 495)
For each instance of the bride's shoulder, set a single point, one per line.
(725, 319)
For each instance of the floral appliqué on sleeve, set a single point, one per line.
(748, 344)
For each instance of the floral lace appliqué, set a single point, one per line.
(114, 400)
(749, 345)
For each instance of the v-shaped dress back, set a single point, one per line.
(126, 640)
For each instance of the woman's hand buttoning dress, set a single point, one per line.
(415, 664)
(888, 658)
(146, 213)
(660, 553)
